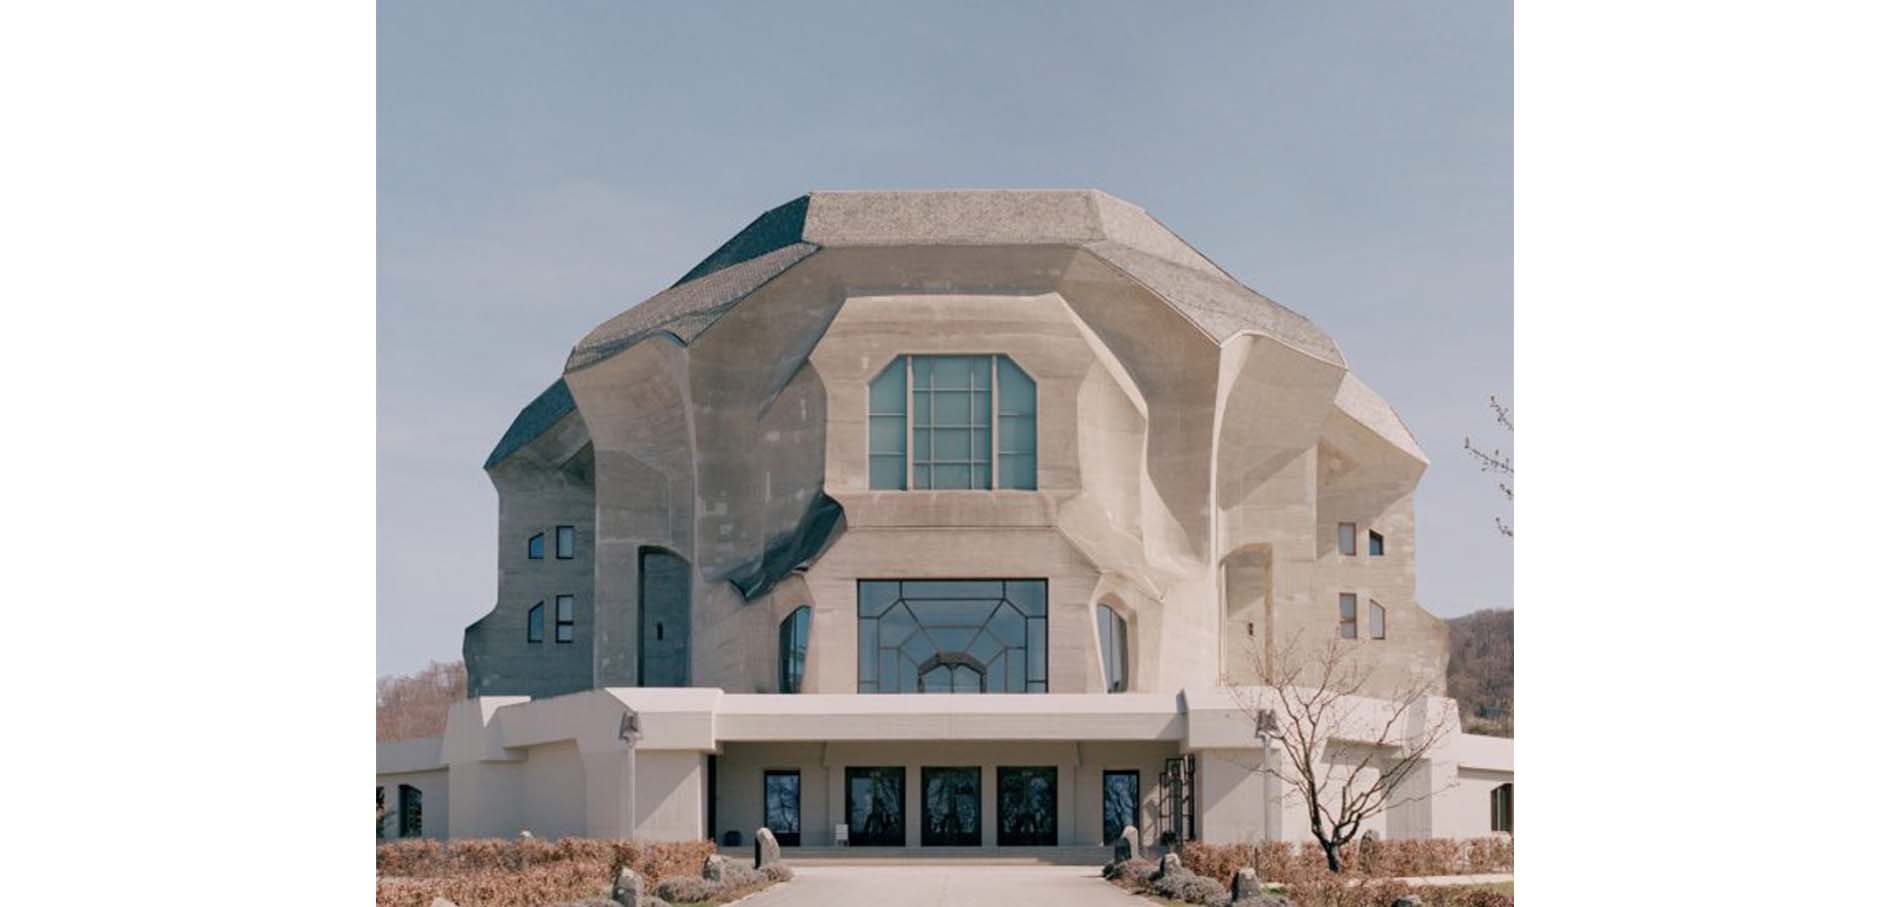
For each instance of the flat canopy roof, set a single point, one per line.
(917, 716)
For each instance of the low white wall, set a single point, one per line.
(434, 814)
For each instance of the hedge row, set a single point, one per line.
(521, 873)
(1284, 861)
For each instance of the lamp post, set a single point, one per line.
(1266, 726)
(628, 731)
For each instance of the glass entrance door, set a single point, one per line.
(1122, 800)
(876, 806)
(781, 806)
(950, 814)
(1027, 806)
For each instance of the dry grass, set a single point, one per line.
(521, 873)
(1286, 862)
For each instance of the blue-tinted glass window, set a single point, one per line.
(959, 636)
(567, 618)
(1017, 427)
(567, 542)
(793, 645)
(535, 623)
(886, 427)
(1114, 633)
(1377, 543)
(951, 422)
(535, 547)
(931, 420)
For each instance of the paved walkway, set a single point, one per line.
(957, 885)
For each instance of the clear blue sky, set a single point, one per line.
(545, 166)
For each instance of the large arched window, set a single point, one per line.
(1114, 633)
(793, 654)
(929, 424)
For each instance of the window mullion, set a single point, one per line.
(912, 424)
(991, 468)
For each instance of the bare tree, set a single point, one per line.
(1341, 750)
(1496, 461)
(411, 706)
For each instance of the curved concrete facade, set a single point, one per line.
(1190, 453)
(1197, 446)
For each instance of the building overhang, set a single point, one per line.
(756, 718)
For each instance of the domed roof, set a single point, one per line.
(1121, 235)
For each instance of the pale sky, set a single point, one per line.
(544, 166)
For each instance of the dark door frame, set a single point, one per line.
(784, 838)
(926, 837)
(1044, 837)
(856, 837)
(1136, 813)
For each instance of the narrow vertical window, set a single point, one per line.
(1114, 633)
(793, 649)
(535, 547)
(1348, 616)
(1502, 807)
(535, 623)
(1377, 543)
(567, 542)
(951, 422)
(1348, 539)
(410, 824)
(886, 428)
(1017, 427)
(567, 618)
(1378, 621)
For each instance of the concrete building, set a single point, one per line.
(1026, 447)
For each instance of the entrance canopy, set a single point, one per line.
(1047, 716)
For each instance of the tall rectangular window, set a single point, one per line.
(535, 623)
(567, 618)
(1017, 427)
(567, 542)
(1348, 539)
(951, 422)
(1378, 621)
(1348, 616)
(1377, 544)
(535, 547)
(886, 427)
(410, 820)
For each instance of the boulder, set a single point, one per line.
(629, 888)
(715, 868)
(1409, 900)
(1171, 865)
(1367, 850)
(767, 849)
(442, 902)
(1128, 845)
(1246, 884)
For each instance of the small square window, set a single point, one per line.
(1348, 616)
(1377, 543)
(567, 542)
(535, 547)
(1378, 621)
(567, 619)
(1348, 539)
